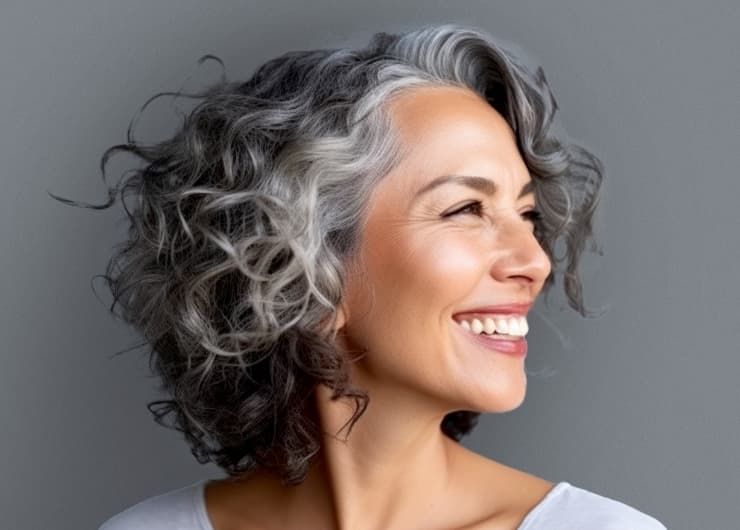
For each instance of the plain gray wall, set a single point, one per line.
(640, 405)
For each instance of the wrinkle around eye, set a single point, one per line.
(426, 213)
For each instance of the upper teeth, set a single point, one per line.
(507, 326)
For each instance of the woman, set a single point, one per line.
(333, 264)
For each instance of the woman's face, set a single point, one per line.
(426, 262)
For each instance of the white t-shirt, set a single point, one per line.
(565, 507)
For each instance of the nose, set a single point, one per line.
(519, 256)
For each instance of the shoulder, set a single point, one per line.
(180, 508)
(574, 508)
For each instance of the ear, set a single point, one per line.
(341, 318)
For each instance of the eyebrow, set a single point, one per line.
(481, 184)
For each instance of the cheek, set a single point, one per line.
(400, 306)
(407, 275)
(417, 288)
(419, 280)
(452, 263)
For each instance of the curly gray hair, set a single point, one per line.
(246, 218)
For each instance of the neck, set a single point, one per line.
(393, 467)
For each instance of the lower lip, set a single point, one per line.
(514, 347)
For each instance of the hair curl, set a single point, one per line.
(246, 217)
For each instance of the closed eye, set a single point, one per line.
(533, 215)
(477, 209)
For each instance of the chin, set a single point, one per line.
(500, 399)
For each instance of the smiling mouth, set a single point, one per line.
(509, 344)
(512, 327)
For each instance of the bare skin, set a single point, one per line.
(419, 266)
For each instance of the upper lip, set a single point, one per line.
(517, 308)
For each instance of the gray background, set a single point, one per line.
(640, 404)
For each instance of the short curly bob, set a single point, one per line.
(246, 217)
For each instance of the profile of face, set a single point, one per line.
(428, 257)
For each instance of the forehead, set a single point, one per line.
(432, 106)
(448, 130)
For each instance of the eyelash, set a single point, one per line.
(533, 215)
